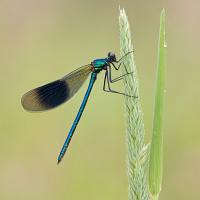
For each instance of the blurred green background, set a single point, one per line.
(42, 40)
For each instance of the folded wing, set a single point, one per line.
(57, 92)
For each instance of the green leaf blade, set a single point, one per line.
(156, 151)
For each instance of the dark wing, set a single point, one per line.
(57, 92)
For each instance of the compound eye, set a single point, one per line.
(109, 54)
(111, 57)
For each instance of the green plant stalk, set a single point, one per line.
(137, 151)
(156, 150)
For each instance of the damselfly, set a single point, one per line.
(57, 92)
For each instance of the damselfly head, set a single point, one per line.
(111, 57)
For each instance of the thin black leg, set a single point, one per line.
(116, 67)
(115, 79)
(104, 82)
(106, 78)
(124, 56)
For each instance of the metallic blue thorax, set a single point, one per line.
(100, 63)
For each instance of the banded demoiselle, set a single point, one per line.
(57, 92)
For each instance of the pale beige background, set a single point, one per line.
(42, 40)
